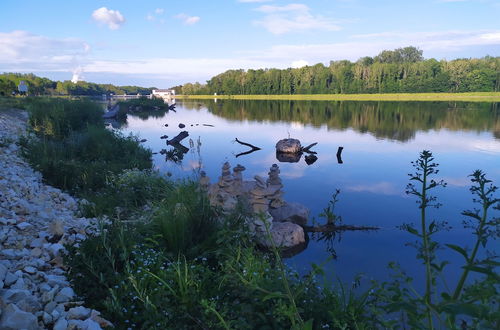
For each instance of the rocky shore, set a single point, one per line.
(36, 221)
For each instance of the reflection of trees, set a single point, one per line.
(391, 120)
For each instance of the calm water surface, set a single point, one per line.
(380, 139)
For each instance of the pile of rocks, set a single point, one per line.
(36, 221)
(222, 193)
(274, 221)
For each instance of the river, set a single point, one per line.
(380, 140)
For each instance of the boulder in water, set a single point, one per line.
(288, 146)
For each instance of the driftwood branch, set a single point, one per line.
(246, 152)
(308, 148)
(247, 144)
(254, 148)
(181, 136)
(339, 155)
(331, 228)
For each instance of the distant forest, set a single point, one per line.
(44, 86)
(403, 70)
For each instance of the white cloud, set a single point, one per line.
(150, 17)
(383, 188)
(159, 11)
(188, 20)
(22, 50)
(253, 1)
(292, 18)
(112, 18)
(443, 40)
(299, 63)
(287, 8)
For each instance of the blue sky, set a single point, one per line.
(163, 43)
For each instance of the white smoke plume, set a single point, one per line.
(77, 75)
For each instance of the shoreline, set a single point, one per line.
(418, 97)
(36, 221)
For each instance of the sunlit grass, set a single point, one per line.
(468, 97)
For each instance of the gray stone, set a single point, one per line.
(65, 295)
(54, 280)
(61, 324)
(55, 249)
(13, 296)
(14, 319)
(79, 313)
(291, 212)
(30, 270)
(284, 235)
(47, 318)
(288, 146)
(10, 279)
(3, 272)
(89, 324)
(24, 225)
(50, 307)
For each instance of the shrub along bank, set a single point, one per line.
(166, 259)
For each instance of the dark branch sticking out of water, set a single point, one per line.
(253, 148)
(332, 227)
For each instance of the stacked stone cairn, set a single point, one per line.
(222, 193)
(274, 186)
(264, 197)
(260, 206)
(238, 179)
(204, 181)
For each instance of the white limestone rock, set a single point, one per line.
(14, 318)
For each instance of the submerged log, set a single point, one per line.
(177, 139)
(332, 227)
(308, 148)
(311, 159)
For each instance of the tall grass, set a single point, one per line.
(73, 150)
(57, 118)
(185, 221)
(84, 160)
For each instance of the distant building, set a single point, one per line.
(163, 93)
(22, 88)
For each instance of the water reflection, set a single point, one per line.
(379, 141)
(388, 120)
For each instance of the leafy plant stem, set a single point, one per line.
(472, 257)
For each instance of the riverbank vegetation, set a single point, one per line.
(431, 97)
(44, 86)
(164, 258)
(403, 70)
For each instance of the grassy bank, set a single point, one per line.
(466, 97)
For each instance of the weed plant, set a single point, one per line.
(473, 303)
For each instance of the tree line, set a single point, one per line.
(403, 70)
(44, 86)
